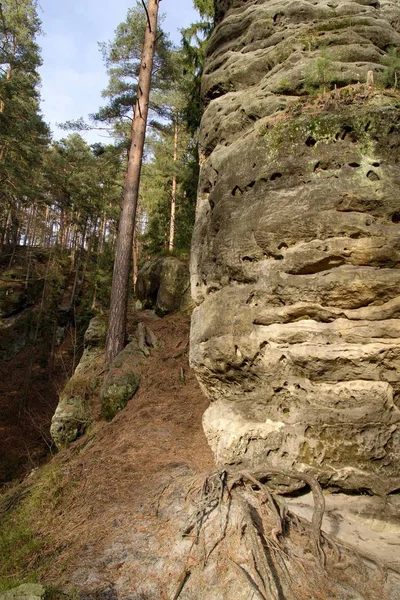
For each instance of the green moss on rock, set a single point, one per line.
(117, 394)
(26, 591)
(122, 381)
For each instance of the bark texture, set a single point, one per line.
(295, 257)
(123, 253)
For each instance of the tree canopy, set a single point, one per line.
(67, 193)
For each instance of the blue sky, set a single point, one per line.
(73, 74)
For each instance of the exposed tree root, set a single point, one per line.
(280, 556)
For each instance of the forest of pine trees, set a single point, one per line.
(67, 193)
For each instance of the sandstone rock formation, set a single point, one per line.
(89, 395)
(164, 285)
(25, 591)
(295, 257)
(122, 380)
(73, 413)
(18, 294)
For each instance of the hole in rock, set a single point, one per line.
(248, 259)
(236, 191)
(396, 217)
(250, 298)
(356, 235)
(372, 176)
(250, 185)
(211, 203)
(361, 491)
(216, 227)
(376, 164)
(347, 134)
(327, 166)
(282, 245)
(354, 165)
(310, 141)
(368, 125)
(275, 176)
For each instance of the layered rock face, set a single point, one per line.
(295, 257)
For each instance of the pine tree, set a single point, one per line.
(123, 256)
(122, 57)
(24, 135)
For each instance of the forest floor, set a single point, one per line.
(28, 399)
(103, 519)
(103, 493)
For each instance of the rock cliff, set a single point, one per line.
(295, 257)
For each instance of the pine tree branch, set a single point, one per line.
(147, 16)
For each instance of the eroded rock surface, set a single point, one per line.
(164, 285)
(73, 413)
(26, 591)
(295, 258)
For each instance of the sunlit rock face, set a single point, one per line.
(295, 257)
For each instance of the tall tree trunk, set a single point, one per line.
(78, 264)
(136, 246)
(4, 239)
(3, 148)
(46, 233)
(123, 253)
(30, 212)
(173, 193)
(102, 237)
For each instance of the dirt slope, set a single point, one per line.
(103, 530)
(108, 513)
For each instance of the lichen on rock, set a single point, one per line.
(295, 255)
(73, 413)
(25, 591)
(122, 380)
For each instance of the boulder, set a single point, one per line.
(17, 292)
(17, 323)
(122, 380)
(15, 333)
(73, 413)
(295, 256)
(164, 285)
(26, 591)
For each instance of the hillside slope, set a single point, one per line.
(104, 519)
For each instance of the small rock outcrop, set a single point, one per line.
(296, 249)
(89, 394)
(18, 294)
(73, 414)
(164, 285)
(122, 380)
(26, 591)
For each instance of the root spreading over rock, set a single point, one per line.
(239, 521)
